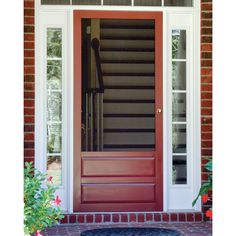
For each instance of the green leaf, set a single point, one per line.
(208, 165)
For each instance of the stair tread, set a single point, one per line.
(128, 61)
(128, 100)
(109, 49)
(115, 37)
(125, 115)
(120, 130)
(109, 26)
(128, 87)
(127, 74)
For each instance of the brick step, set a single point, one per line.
(84, 218)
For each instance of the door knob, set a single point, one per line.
(159, 110)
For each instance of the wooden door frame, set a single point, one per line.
(158, 17)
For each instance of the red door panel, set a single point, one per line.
(117, 181)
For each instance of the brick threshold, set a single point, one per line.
(146, 217)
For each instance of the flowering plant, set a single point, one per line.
(41, 208)
(205, 189)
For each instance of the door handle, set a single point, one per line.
(159, 110)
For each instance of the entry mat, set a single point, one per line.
(131, 232)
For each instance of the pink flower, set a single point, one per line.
(57, 201)
(49, 179)
(38, 233)
(209, 213)
(204, 198)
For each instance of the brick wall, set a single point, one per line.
(206, 85)
(29, 80)
(206, 81)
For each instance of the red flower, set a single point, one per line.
(50, 179)
(38, 233)
(57, 201)
(204, 198)
(209, 213)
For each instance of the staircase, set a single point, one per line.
(127, 58)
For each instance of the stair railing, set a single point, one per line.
(94, 109)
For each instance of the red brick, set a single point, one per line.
(28, 86)
(81, 219)
(29, 111)
(29, 95)
(29, 53)
(157, 217)
(198, 217)
(206, 31)
(206, 71)
(29, 37)
(206, 87)
(206, 128)
(29, 62)
(107, 218)
(89, 218)
(29, 70)
(165, 217)
(206, 111)
(140, 217)
(206, 47)
(124, 218)
(206, 136)
(29, 103)
(207, 152)
(115, 218)
(72, 219)
(206, 39)
(28, 128)
(29, 20)
(206, 22)
(182, 217)
(28, 136)
(206, 15)
(206, 63)
(173, 217)
(28, 78)
(29, 29)
(29, 145)
(206, 103)
(206, 79)
(206, 6)
(206, 120)
(29, 120)
(206, 95)
(132, 218)
(98, 218)
(207, 144)
(28, 45)
(190, 217)
(28, 12)
(28, 153)
(149, 217)
(28, 4)
(64, 220)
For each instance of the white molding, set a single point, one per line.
(50, 19)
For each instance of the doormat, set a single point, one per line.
(131, 232)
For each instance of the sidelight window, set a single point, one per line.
(179, 107)
(54, 104)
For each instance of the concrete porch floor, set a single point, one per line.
(193, 229)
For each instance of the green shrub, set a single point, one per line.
(206, 188)
(41, 208)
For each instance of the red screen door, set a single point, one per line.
(118, 121)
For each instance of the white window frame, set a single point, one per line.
(49, 15)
